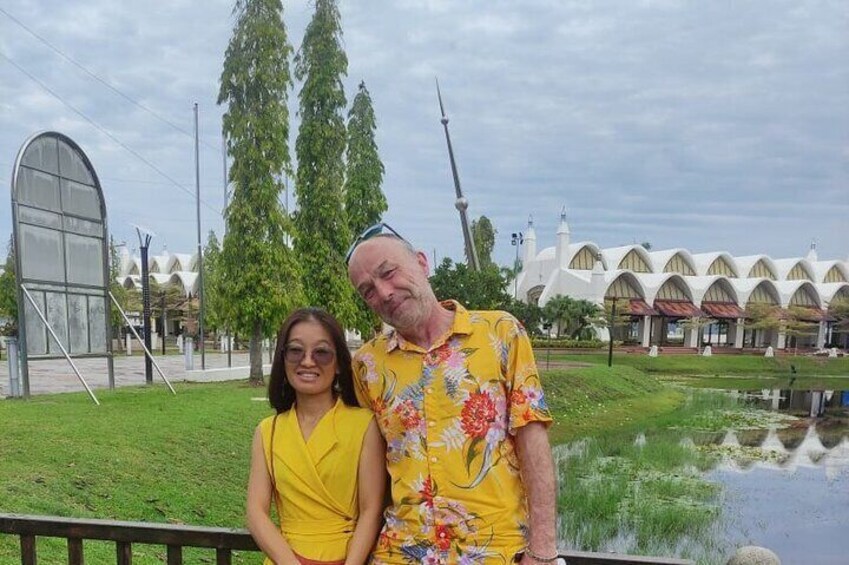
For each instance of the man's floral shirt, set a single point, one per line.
(449, 416)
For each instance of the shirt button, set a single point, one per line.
(429, 390)
(431, 423)
(433, 459)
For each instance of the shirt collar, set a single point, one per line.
(461, 325)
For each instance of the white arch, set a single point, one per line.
(746, 263)
(655, 281)
(828, 291)
(612, 256)
(784, 266)
(703, 262)
(187, 281)
(575, 248)
(130, 281)
(178, 262)
(787, 289)
(158, 263)
(610, 278)
(701, 285)
(661, 258)
(822, 268)
(745, 288)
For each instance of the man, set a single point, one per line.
(458, 399)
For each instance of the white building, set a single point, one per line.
(660, 288)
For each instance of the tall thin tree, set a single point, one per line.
(322, 229)
(365, 202)
(261, 274)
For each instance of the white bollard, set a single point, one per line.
(180, 343)
(653, 351)
(128, 344)
(188, 354)
(770, 352)
(707, 351)
(154, 342)
(222, 343)
(832, 353)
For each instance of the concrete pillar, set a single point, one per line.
(736, 330)
(154, 341)
(821, 330)
(780, 339)
(188, 354)
(180, 343)
(128, 344)
(645, 331)
(691, 337)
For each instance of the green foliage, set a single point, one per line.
(121, 294)
(9, 293)
(481, 290)
(763, 316)
(544, 343)
(365, 202)
(323, 235)
(574, 318)
(215, 308)
(260, 273)
(483, 232)
(839, 309)
(529, 314)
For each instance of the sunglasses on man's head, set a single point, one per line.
(294, 354)
(380, 228)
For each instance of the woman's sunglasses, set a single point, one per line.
(295, 354)
(370, 232)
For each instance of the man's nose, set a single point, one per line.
(384, 290)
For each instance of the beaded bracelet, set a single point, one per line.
(540, 558)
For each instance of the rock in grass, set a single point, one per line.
(754, 555)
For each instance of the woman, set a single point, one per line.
(320, 457)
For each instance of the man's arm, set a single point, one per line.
(537, 468)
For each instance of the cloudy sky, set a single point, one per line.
(704, 125)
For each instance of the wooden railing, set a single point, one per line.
(175, 537)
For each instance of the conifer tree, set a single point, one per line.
(322, 229)
(260, 273)
(365, 202)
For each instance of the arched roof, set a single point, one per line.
(829, 291)
(822, 268)
(701, 285)
(785, 266)
(162, 279)
(178, 262)
(130, 281)
(613, 256)
(660, 258)
(158, 263)
(632, 280)
(747, 262)
(575, 248)
(704, 261)
(187, 281)
(745, 288)
(787, 289)
(654, 282)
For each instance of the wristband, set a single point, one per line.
(540, 558)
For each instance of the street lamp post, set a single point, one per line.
(144, 244)
(516, 240)
(610, 334)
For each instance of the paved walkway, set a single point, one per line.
(56, 375)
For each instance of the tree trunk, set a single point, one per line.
(255, 377)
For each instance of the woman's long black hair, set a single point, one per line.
(281, 395)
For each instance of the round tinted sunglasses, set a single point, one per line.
(294, 354)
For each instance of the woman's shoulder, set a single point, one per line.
(356, 414)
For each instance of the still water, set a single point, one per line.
(794, 501)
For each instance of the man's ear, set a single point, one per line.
(421, 259)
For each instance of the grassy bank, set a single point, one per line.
(145, 455)
(752, 365)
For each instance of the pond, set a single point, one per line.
(730, 469)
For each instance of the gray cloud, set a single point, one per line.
(701, 125)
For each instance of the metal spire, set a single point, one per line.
(462, 204)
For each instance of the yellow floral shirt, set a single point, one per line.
(449, 416)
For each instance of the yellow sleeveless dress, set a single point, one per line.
(316, 480)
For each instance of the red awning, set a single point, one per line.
(677, 309)
(638, 307)
(723, 310)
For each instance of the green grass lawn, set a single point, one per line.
(143, 455)
(750, 365)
